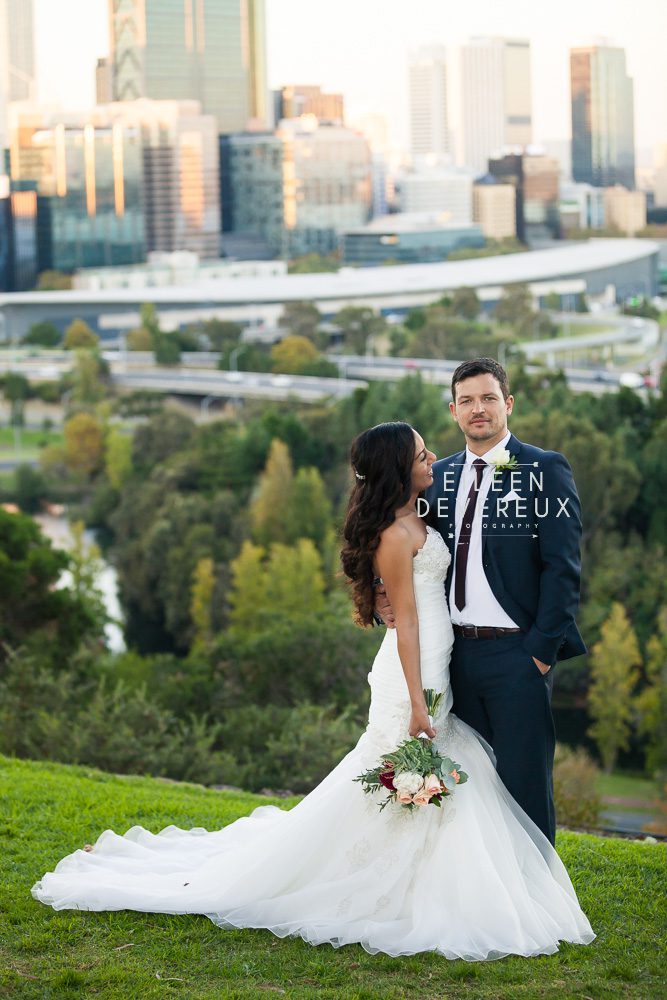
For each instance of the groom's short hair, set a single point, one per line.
(481, 366)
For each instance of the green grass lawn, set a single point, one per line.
(48, 810)
(627, 786)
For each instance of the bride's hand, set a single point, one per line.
(419, 722)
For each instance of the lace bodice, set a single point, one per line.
(433, 558)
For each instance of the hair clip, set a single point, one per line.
(358, 475)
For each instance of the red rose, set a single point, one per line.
(387, 780)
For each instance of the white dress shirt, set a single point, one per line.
(481, 607)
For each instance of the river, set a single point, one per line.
(58, 530)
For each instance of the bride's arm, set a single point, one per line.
(394, 558)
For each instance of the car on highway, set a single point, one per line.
(631, 380)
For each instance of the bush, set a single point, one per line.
(577, 800)
(286, 748)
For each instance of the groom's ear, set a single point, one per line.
(509, 404)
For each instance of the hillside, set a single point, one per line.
(48, 810)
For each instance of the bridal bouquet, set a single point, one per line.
(414, 773)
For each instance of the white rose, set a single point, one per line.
(500, 456)
(408, 781)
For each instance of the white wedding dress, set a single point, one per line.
(474, 879)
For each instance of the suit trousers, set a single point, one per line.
(500, 692)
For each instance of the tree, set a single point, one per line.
(34, 611)
(90, 377)
(312, 263)
(301, 319)
(203, 586)
(295, 584)
(85, 569)
(515, 305)
(139, 340)
(222, 334)
(359, 324)
(308, 513)
(54, 281)
(84, 444)
(118, 457)
(43, 335)
(274, 494)
(651, 703)
(79, 334)
(292, 354)
(249, 586)
(165, 346)
(465, 303)
(614, 673)
(30, 488)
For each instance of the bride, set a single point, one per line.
(474, 879)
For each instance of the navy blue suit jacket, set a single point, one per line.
(530, 543)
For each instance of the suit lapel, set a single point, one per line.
(449, 498)
(501, 484)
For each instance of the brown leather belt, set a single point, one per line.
(483, 631)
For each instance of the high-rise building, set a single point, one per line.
(494, 208)
(495, 99)
(429, 108)
(660, 176)
(603, 142)
(581, 206)
(103, 81)
(88, 177)
(626, 210)
(181, 188)
(212, 51)
(535, 179)
(297, 189)
(297, 100)
(120, 180)
(437, 190)
(17, 61)
(18, 237)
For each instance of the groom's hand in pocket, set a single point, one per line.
(382, 607)
(543, 668)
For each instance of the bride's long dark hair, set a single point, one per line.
(382, 459)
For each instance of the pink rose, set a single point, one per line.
(422, 798)
(432, 785)
(404, 798)
(455, 775)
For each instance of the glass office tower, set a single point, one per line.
(603, 141)
(212, 51)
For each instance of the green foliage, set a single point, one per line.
(90, 379)
(314, 263)
(465, 303)
(16, 387)
(117, 457)
(33, 612)
(614, 662)
(651, 703)
(293, 354)
(359, 325)
(515, 305)
(79, 334)
(54, 281)
(301, 319)
(30, 488)
(84, 444)
(222, 334)
(43, 334)
(203, 586)
(577, 800)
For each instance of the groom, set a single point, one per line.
(511, 517)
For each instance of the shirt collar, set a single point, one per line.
(470, 458)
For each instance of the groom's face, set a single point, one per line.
(480, 409)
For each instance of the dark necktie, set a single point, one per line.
(463, 545)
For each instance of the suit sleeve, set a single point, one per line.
(559, 538)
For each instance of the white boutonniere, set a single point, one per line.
(501, 460)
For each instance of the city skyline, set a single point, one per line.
(376, 80)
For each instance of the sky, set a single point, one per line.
(361, 47)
